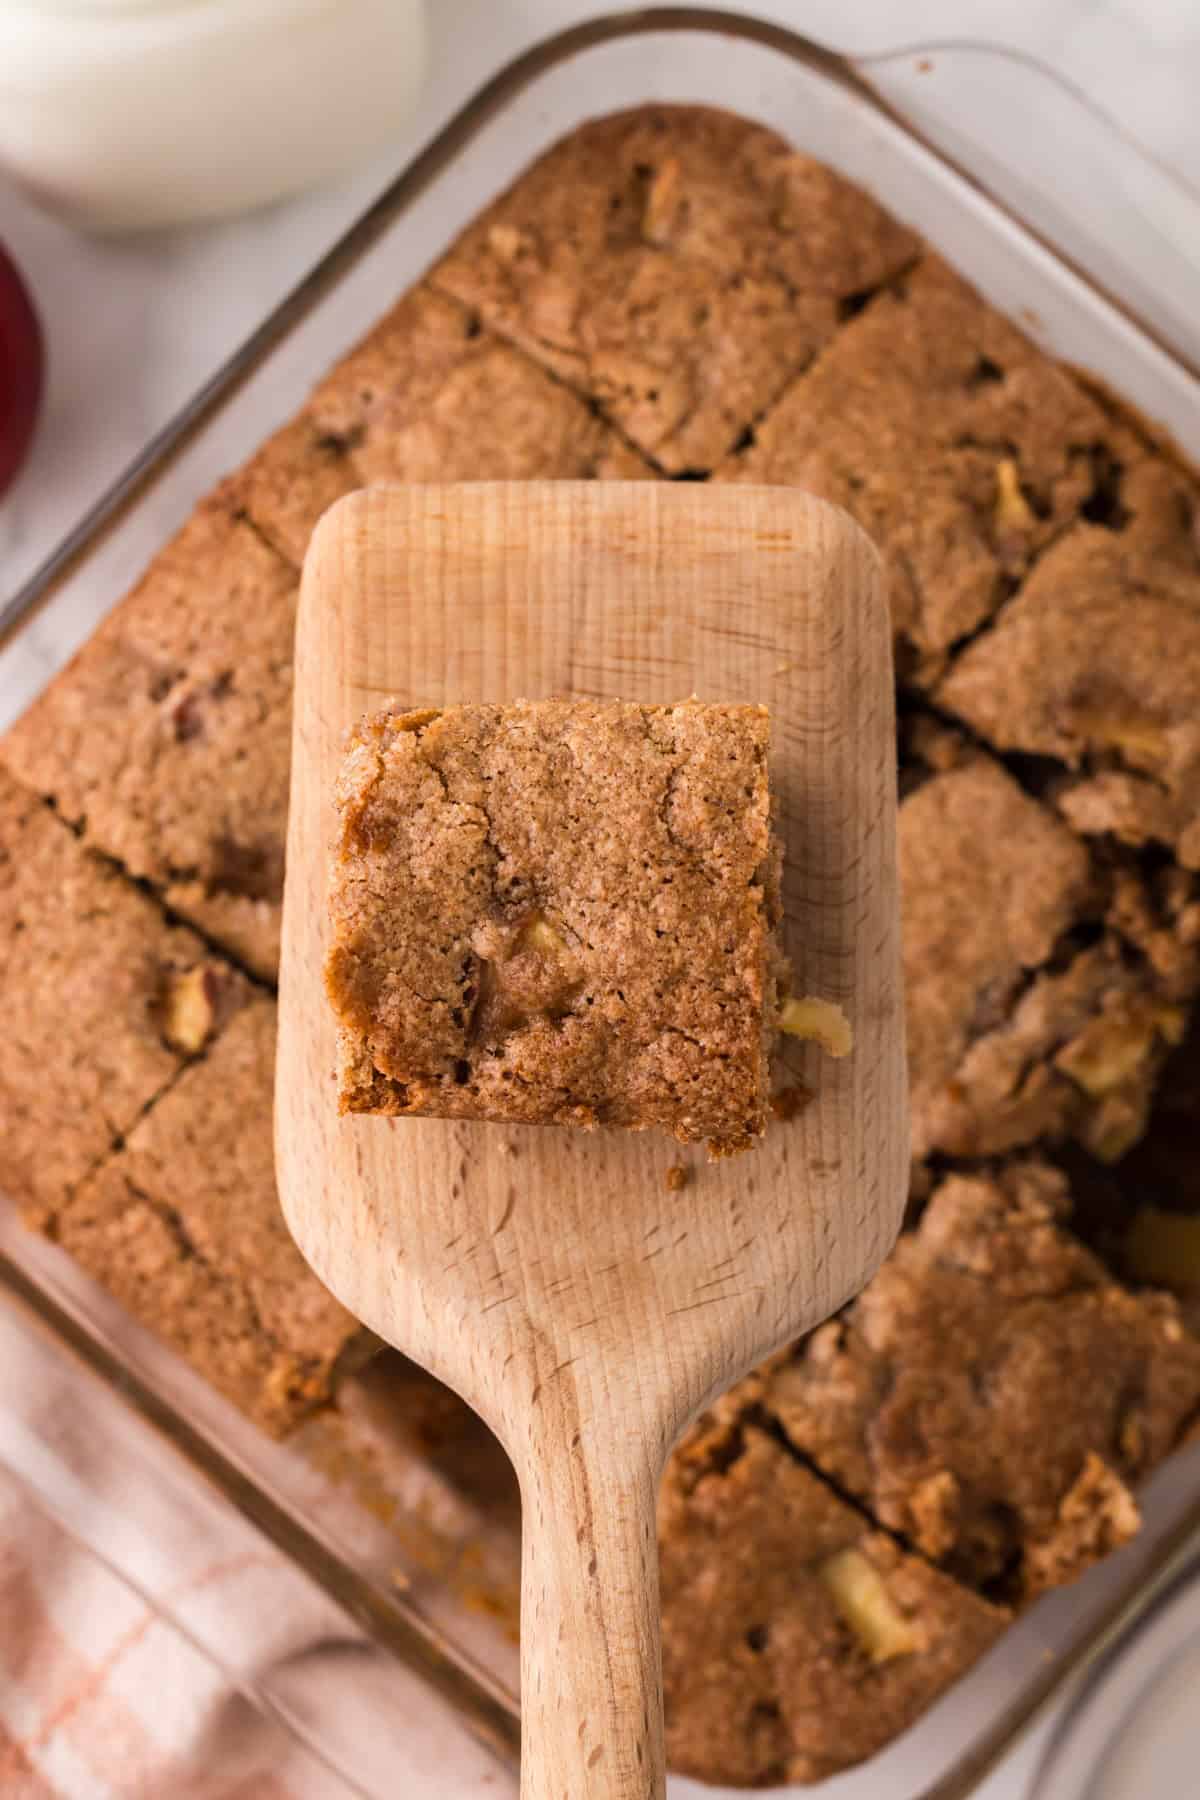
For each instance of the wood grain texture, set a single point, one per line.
(550, 1276)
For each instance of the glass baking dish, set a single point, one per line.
(1063, 224)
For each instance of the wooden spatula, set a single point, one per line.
(550, 1276)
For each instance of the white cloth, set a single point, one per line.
(155, 1646)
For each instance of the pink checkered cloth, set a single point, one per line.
(155, 1646)
(104, 1695)
(152, 1649)
(102, 1699)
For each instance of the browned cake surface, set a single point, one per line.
(426, 396)
(797, 1638)
(956, 444)
(184, 1226)
(994, 1395)
(677, 266)
(91, 975)
(288, 483)
(167, 738)
(677, 291)
(1097, 664)
(558, 912)
(1030, 1014)
(409, 401)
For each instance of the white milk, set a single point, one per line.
(129, 113)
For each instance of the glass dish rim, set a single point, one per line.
(489, 1713)
(1059, 1760)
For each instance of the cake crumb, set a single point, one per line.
(677, 1178)
(790, 1101)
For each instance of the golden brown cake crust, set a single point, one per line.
(287, 484)
(167, 738)
(1077, 668)
(1043, 991)
(993, 1395)
(183, 1225)
(676, 265)
(88, 969)
(558, 912)
(990, 882)
(429, 396)
(769, 1675)
(957, 445)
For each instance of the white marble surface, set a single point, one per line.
(135, 326)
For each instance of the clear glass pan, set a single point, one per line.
(1034, 168)
(1133, 1732)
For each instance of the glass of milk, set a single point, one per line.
(123, 114)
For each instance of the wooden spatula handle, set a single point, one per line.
(591, 1658)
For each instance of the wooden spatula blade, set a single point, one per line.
(551, 1277)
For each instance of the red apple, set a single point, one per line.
(21, 364)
